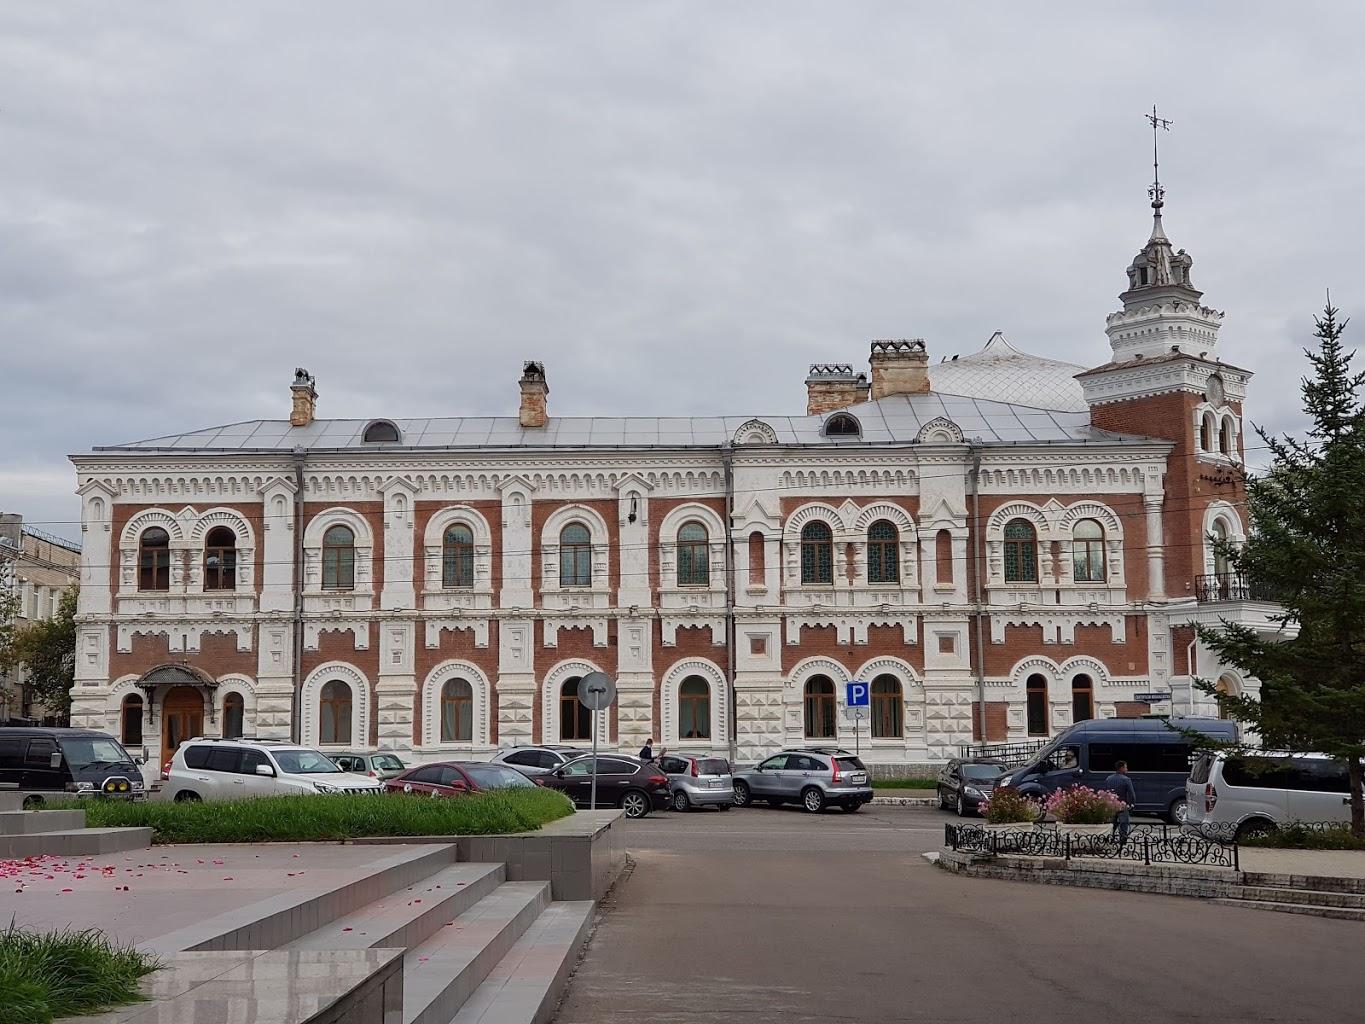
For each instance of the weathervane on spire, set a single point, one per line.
(1157, 193)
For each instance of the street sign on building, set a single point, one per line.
(1152, 698)
(857, 694)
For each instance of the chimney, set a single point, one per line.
(899, 367)
(305, 398)
(831, 386)
(533, 392)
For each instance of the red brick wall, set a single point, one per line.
(997, 721)
(1126, 659)
(492, 514)
(882, 642)
(1181, 661)
(572, 644)
(217, 655)
(1130, 709)
(606, 508)
(455, 644)
(373, 514)
(658, 509)
(943, 557)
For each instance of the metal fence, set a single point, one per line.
(1009, 754)
(1146, 844)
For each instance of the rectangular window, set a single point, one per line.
(817, 563)
(1021, 562)
(338, 568)
(1037, 713)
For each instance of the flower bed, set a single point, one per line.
(322, 818)
(1081, 805)
(1006, 807)
(60, 974)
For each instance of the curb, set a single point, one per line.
(904, 801)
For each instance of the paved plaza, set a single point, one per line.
(776, 915)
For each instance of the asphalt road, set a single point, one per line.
(775, 915)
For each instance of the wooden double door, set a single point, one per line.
(182, 718)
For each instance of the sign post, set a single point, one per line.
(596, 692)
(858, 697)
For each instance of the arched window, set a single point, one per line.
(1228, 687)
(1087, 552)
(1206, 430)
(457, 711)
(220, 559)
(694, 556)
(154, 560)
(817, 553)
(1037, 705)
(758, 569)
(1021, 552)
(575, 556)
(457, 557)
(1225, 439)
(382, 432)
(334, 712)
(1221, 565)
(131, 714)
(820, 708)
(943, 556)
(883, 553)
(694, 709)
(338, 558)
(234, 716)
(1082, 698)
(575, 721)
(842, 425)
(888, 708)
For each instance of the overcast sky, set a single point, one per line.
(677, 206)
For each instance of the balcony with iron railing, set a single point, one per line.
(1228, 586)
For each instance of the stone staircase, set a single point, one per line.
(1319, 896)
(476, 947)
(63, 834)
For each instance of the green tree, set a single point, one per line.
(47, 650)
(1306, 550)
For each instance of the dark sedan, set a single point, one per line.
(964, 785)
(455, 778)
(635, 786)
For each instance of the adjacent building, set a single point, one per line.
(999, 543)
(38, 568)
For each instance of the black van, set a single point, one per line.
(58, 761)
(1158, 757)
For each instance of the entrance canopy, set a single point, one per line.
(163, 678)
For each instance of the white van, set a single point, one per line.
(1232, 795)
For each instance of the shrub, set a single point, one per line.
(335, 817)
(1081, 805)
(59, 974)
(1307, 837)
(1006, 806)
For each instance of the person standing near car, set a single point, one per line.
(647, 751)
(1122, 787)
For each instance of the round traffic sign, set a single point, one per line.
(597, 691)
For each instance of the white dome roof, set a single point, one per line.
(1001, 373)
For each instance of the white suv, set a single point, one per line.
(211, 769)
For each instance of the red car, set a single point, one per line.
(452, 778)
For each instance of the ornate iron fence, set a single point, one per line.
(1009, 754)
(1146, 844)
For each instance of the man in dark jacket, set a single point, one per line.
(647, 751)
(1122, 787)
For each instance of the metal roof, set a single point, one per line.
(1002, 373)
(897, 419)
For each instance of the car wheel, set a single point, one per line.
(1175, 814)
(187, 796)
(635, 803)
(680, 801)
(1254, 827)
(813, 799)
(742, 797)
(961, 806)
(943, 802)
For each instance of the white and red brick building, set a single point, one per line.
(995, 525)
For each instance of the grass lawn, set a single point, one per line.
(904, 783)
(1298, 837)
(60, 974)
(314, 818)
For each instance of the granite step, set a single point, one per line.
(23, 823)
(281, 919)
(440, 974)
(526, 984)
(1307, 897)
(1339, 913)
(78, 842)
(410, 916)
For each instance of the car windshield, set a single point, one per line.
(83, 752)
(982, 771)
(850, 764)
(304, 762)
(491, 776)
(387, 763)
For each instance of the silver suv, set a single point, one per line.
(698, 781)
(537, 760)
(814, 777)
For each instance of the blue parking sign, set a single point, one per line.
(857, 694)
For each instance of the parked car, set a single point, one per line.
(454, 778)
(1232, 795)
(698, 781)
(1158, 753)
(814, 777)
(635, 786)
(214, 769)
(374, 765)
(964, 784)
(67, 761)
(537, 760)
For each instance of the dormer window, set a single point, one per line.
(842, 425)
(382, 432)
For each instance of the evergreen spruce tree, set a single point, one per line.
(1306, 552)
